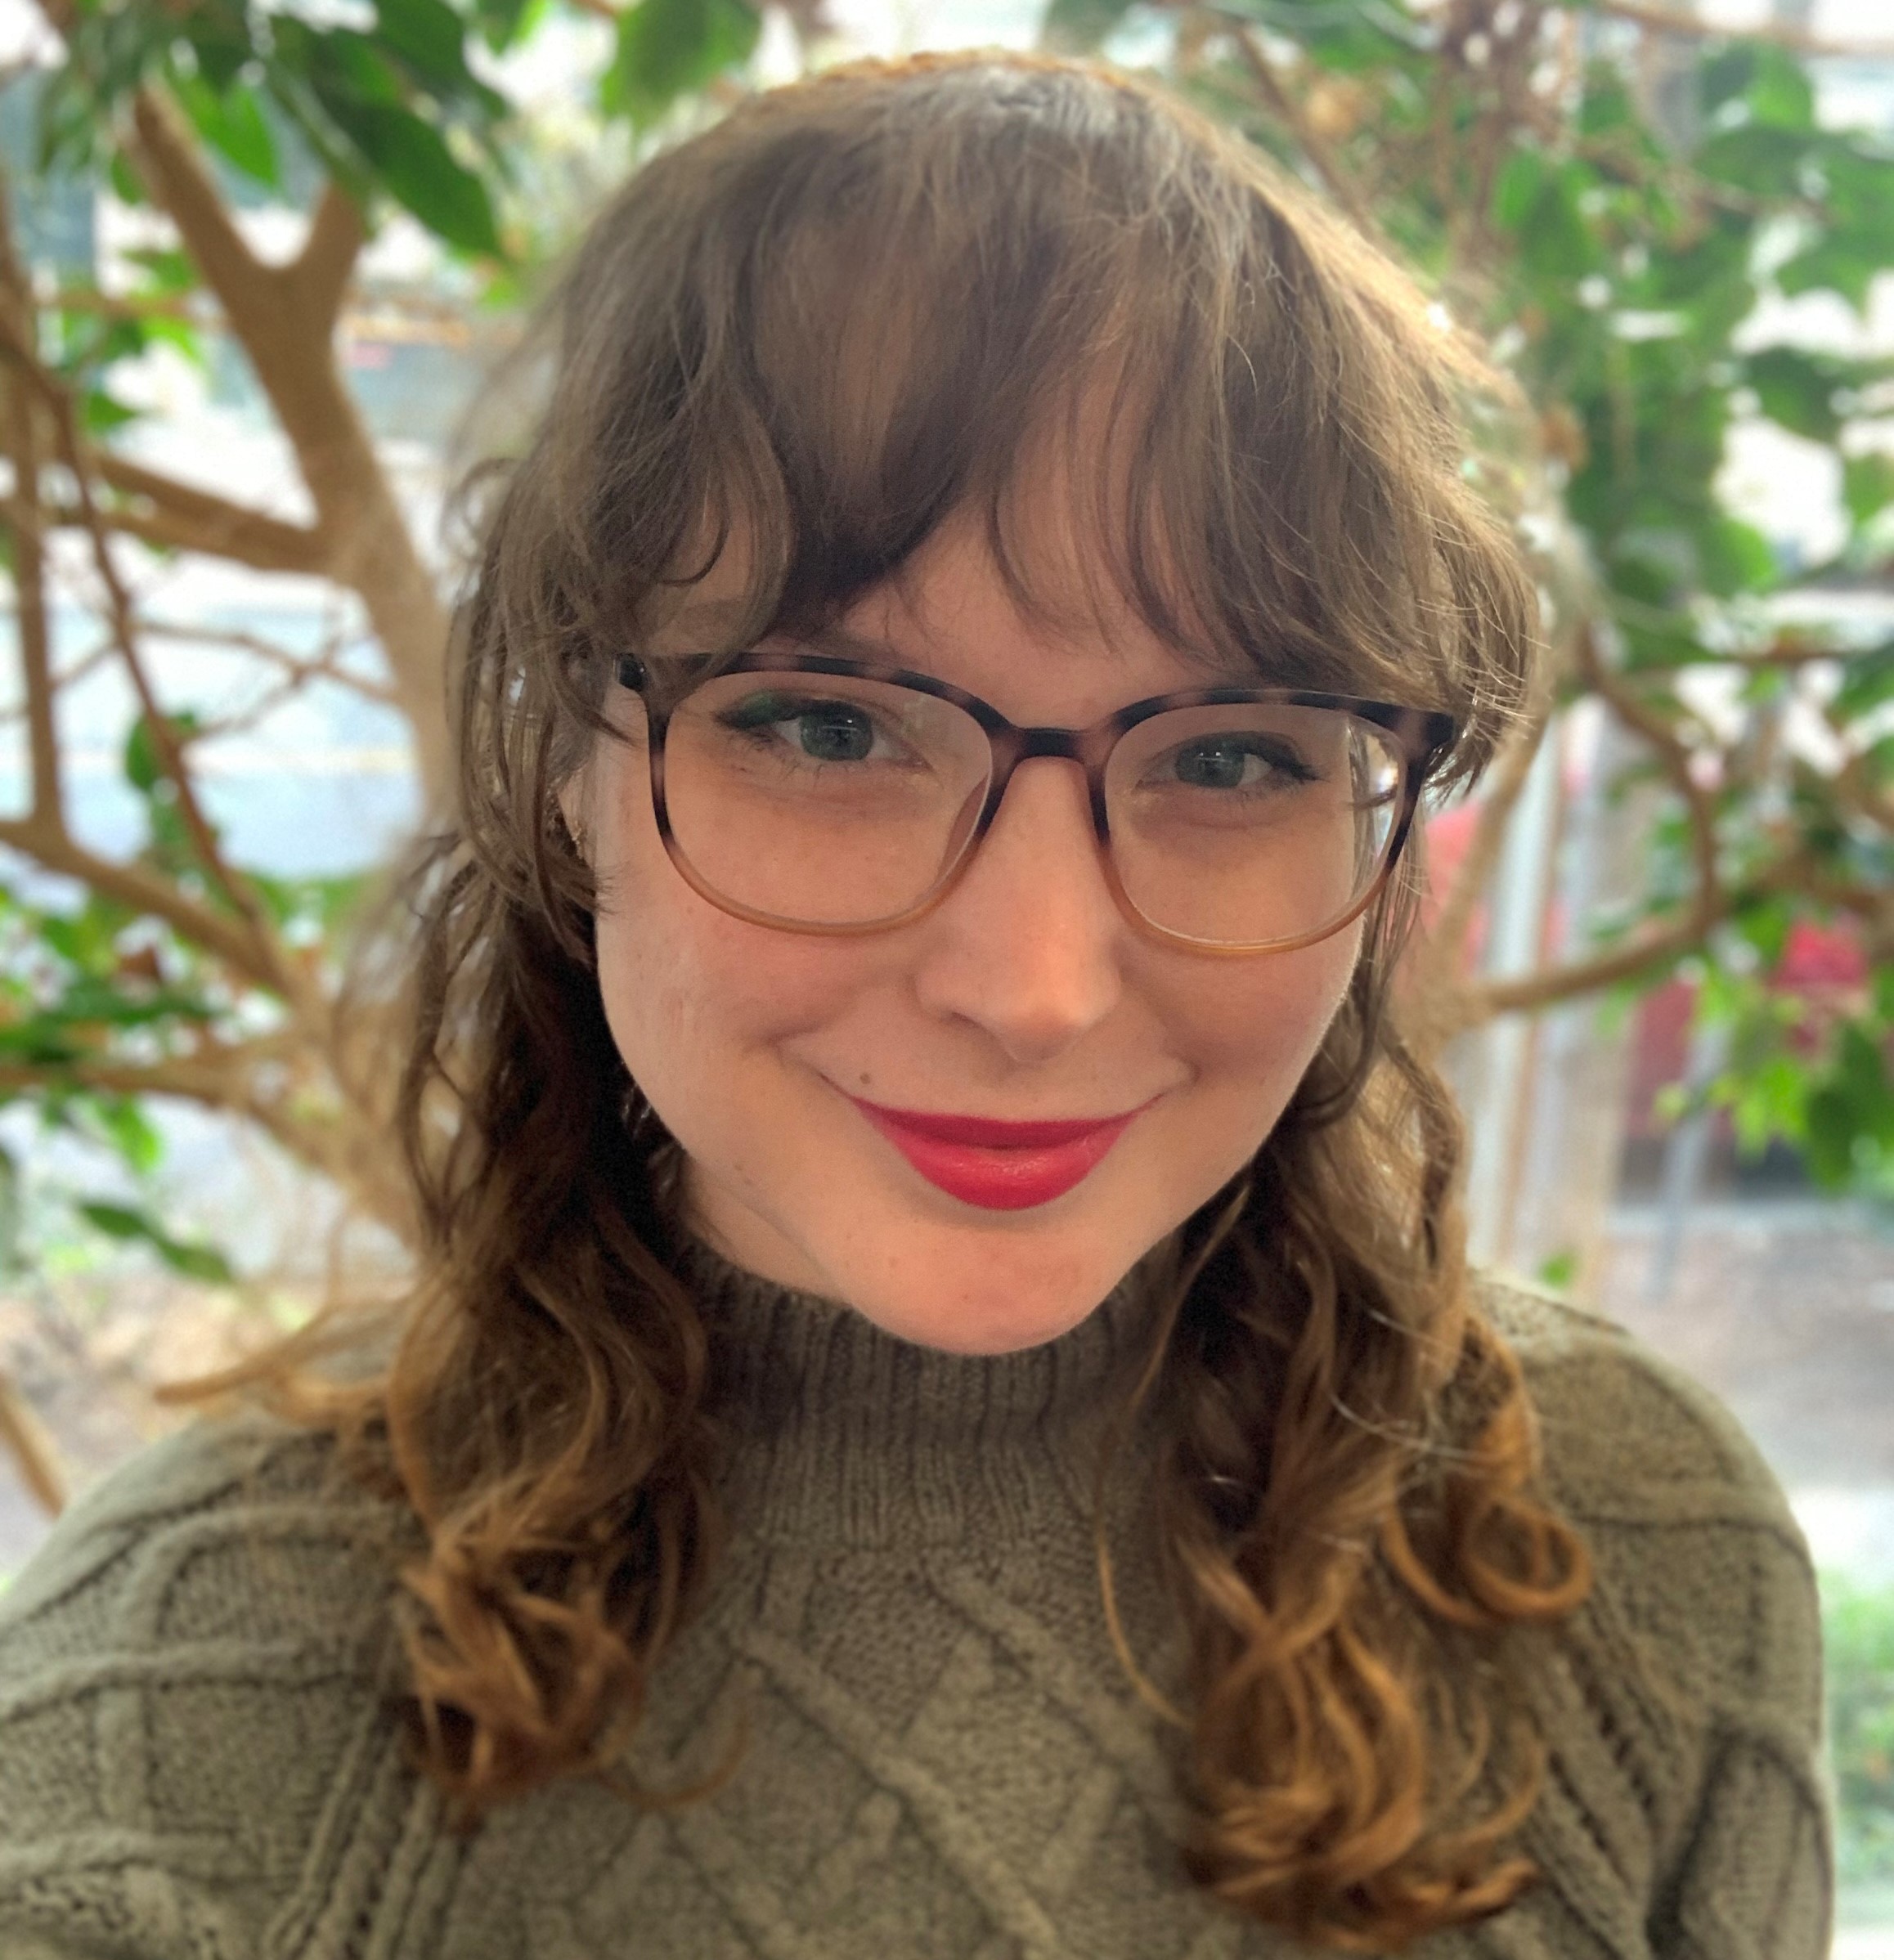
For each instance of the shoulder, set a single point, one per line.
(236, 1532)
(1693, 1537)
(185, 1666)
(1632, 1443)
(1685, 1707)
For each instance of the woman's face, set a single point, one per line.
(1025, 996)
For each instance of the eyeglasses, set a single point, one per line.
(821, 794)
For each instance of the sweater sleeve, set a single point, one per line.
(1694, 1773)
(186, 1670)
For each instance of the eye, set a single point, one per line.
(824, 730)
(1238, 761)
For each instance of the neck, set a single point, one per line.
(840, 1431)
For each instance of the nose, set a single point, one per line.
(1026, 946)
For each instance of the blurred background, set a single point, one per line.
(257, 268)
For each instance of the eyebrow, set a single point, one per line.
(841, 643)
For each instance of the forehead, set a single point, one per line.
(1057, 641)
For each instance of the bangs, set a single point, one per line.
(1047, 302)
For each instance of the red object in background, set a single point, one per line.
(1444, 841)
(1821, 956)
(1817, 962)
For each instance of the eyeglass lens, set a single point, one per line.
(829, 800)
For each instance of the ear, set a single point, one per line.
(573, 797)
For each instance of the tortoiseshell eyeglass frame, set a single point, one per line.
(1423, 738)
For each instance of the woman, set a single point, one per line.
(943, 1412)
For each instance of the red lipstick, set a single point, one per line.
(997, 1166)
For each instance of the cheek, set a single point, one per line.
(1255, 1027)
(695, 998)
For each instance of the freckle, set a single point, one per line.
(866, 1078)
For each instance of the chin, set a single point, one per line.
(983, 1298)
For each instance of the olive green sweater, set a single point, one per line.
(941, 1759)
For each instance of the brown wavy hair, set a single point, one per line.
(850, 310)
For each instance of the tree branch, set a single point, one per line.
(183, 1076)
(296, 670)
(1797, 39)
(191, 519)
(289, 339)
(1712, 902)
(26, 1442)
(1340, 185)
(1671, 753)
(1526, 992)
(1447, 937)
(324, 666)
(216, 932)
(24, 515)
(248, 289)
(221, 1079)
(123, 305)
(252, 547)
(77, 671)
(320, 274)
(119, 605)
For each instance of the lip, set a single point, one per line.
(999, 1166)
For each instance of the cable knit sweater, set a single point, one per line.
(941, 1759)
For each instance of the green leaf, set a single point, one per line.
(129, 1132)
(1754, 157)
(86, 939)
(1837, 262)
(1733, 557)
(222, 57)
(144, 767)
(10, 1210)
(1765, 923)
(1517, 186)
(1778, 95)
(181, 335)
(203, 1262)
(429, 37)
(234, 126)
(124, 181)
(415, 166)
(1077, 27)
(1767, 1102)
(1555, 240)
(1766, 685)
(1725, 75)
(1851, 1112)
(1867, 684)
(125, 1222)
(1796, 389)
(102, 413)
(1860, 185)
(321, 902)
(667, 48)
(1868, 484)
(170, 271)
(343, 66)
(503, 22)
(1607, 105)
(117, 1221)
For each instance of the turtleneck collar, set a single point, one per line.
(843, 1433)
